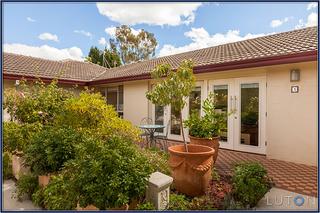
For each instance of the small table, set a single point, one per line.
(151, 129)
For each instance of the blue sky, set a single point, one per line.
(68, 30)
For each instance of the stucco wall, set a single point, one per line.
(292, 117)
(135, 103)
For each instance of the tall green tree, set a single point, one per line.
(108, 57)
(133, 47)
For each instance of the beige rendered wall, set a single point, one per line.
(292, 117)
(135, 103)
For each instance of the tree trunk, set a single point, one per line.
(182, 132)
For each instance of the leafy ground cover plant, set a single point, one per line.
(145, 206)
(250, 182)
(178, 202)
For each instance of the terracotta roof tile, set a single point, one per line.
(66, 69)
(286, 43)
(281, 44)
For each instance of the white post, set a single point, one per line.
(158, 190)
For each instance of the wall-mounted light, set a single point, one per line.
(295, 75)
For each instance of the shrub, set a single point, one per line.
(89, 112)
(59, 194)
(209, 125)
(178, 202)
(17, 137)
(38, 197)
(7, 165)
(26, 185)
(35, 102)
(51, 148)
(250, 183)
(108, 173)
(158, 160)
(145, 206)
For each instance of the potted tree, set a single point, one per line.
(190, 164)
(205, 130)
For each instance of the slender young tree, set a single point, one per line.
(173, 88)
(109, 57)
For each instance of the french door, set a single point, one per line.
(244, 99)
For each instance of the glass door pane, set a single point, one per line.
(159, 117)
(175, 128)
(221, 104)
(249, 114)
(195, 101)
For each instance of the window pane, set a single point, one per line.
(175, 122)
(195, 101)
(120, 107)
(250, 114)
(221, 104)
(112, 97)
(159, 110)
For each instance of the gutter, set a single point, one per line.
(44, 79)
(249, 63)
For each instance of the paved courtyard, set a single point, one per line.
(293, 177)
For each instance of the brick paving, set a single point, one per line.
(290, 176)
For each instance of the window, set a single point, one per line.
(114, 97)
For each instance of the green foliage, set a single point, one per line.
(108, 173)
(201, 203)
(209, 125)
(173, 87)
(145, 206)
(7, 165)
(17, 137)
(35, 102)
(51, 148)
(250, 183)
(90, 113)
(132, 47)
(158, 160)
(38, 197)
(59, 194)
(111, 57)
(26, 185)
(178, 202)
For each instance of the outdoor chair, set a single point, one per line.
(163, 138)
(145, 134)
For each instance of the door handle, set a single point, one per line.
(231, 104)
(235, 106)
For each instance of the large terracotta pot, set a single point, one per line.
(18, 167)
(213, 143)
(43, 180)
(191, 170)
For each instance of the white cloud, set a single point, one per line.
(312, 5)
(82, 32)
(102, 41)
(45, 51)
(278, 22)
(48, 36)
(312, 20)
(171, 14)
(31, 19)
(111, 31)
(202, 39)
